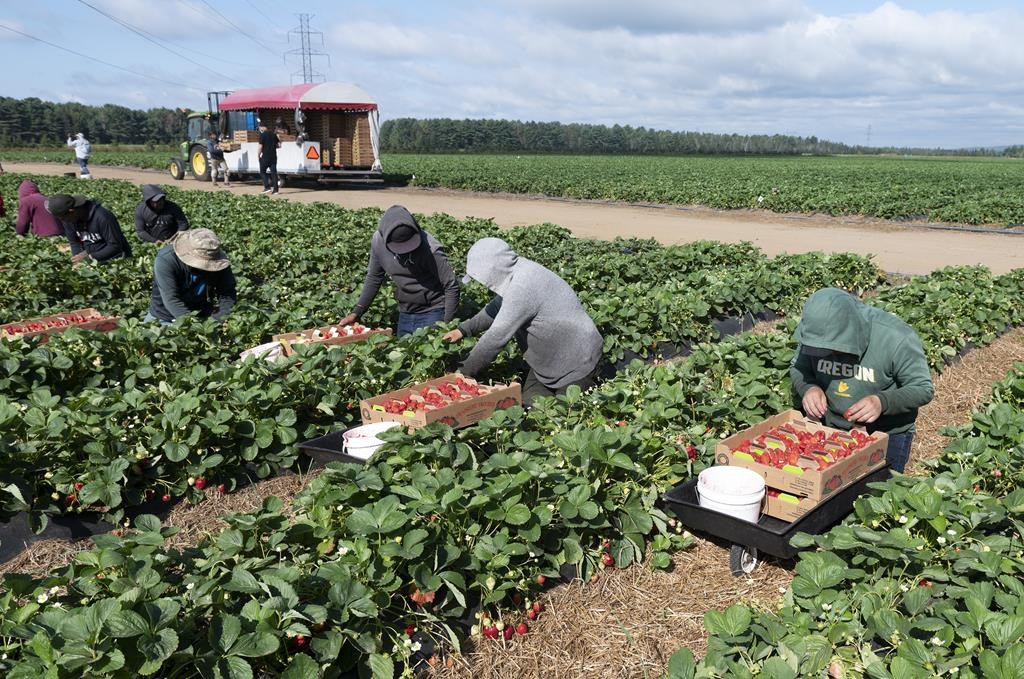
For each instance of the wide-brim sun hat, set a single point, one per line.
(200, 249)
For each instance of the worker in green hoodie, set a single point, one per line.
(856, 365)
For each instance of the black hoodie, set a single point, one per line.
(152, 226)
(99, 235)
(424, 280)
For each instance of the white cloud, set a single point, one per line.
(165, 19)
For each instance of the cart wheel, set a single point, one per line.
(743, 560)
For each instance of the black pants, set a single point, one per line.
(532, 387)
(272, 166)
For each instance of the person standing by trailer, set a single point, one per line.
(215, 154)
(426, 288)
(535, 306)
(83, 150)
(857, 365)
(269, 143)
(156, 218)
(91, 229)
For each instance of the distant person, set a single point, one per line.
(857, 365)
(533, 305)
(215, 154)
(91, 229)
(156, 218)
(269, 143)
(192, 275)
(32, 213)
(3, 210)
(83, 150)
(426, 288)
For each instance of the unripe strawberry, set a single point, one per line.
(541, 579)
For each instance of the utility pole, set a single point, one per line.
(306, 50)
(868, 142)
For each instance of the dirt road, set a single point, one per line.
(897, 248)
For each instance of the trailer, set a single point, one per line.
(332, 133)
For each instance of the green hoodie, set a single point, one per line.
(874, 352)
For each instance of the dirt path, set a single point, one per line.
(897, 248)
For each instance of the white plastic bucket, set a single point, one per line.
(731, 490)
(362, 442)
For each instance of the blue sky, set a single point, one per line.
(904, 73)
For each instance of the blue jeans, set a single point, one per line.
(410, 323)
(898, 452)
(150, 318)
(83, 165)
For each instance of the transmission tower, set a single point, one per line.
(868, 141)
(306, 50)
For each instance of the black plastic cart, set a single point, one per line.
(769, 535)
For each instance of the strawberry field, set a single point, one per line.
(934, 189)
(370, 568)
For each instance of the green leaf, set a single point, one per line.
(381, 666)
(301, 667)
(777, 668)
(255, 645)
(732, 623)
(126, 624)
(242, 581)
(517, 515)
(681, 665)
(159, 648)
(224, 630)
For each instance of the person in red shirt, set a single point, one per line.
(32, 213)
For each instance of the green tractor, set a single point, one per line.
(193, 150)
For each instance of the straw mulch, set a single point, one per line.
(193, 521)
(632, 620)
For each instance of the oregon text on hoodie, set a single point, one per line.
(874, 353)
(423, 279)
(560, 342)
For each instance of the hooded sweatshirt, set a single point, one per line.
(83, 149)
(152, 226)
(560, 342)
(179, 289)
(99, 235)
(873, 353)
(423, 278)
(32, 213)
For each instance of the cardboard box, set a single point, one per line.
(229, 146)
(243, 136)
(457, 414)
(93, 320)
(306, 337)
(805, 482)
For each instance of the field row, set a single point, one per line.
(947, 190)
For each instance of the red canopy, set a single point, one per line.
(328, 96)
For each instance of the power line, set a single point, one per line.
(237, 28)
(253, 5)
(206, 15)
(151, 38)
(100, 61)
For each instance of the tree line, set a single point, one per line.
(34, 122)
(444, 135)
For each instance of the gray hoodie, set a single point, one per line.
(423, 278)
(560, 342)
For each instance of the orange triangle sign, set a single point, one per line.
(312, 154)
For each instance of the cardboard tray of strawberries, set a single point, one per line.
(802, 457)
(455, 400)
(328, 334)
(769, 535)
(44, 326)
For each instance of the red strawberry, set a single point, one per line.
(79, 485)
(925, 583)
(531, 614)
(691, 452)
(221, 488)
(522, 628)
(607, 559)
(541, 579)
(537, 607)
(200, 484)
(517, 599)
(410, 630)
(166, 497)
(71, 499)
(622, 423)
(491, 632)
(507, 633)
(300, 641)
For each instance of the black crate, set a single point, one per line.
(768, 535)
(327, 449)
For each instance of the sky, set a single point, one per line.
(917, 73)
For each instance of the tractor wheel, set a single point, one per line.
(197, 159)
(177, 168)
